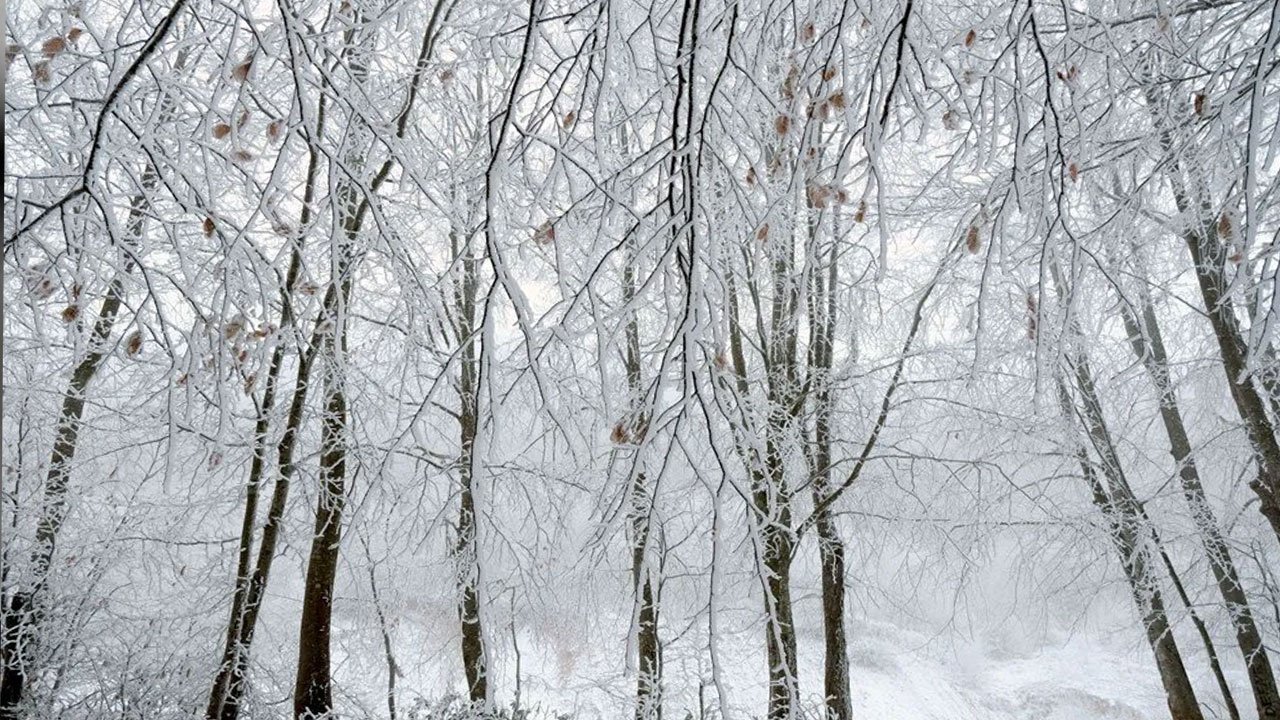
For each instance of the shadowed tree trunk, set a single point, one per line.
(25, 608)
(1130, 529)
(770, 498)
(1130, 535)
(1209, 260)
(1148, 345)
(822, 314)
(313, 687)
(313, 693)
(634, 430)
(230, 683)
(465, 550)
(225, 695)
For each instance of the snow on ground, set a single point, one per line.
(897, 674)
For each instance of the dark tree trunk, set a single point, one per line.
(466, 557)
(1209, 258)
(780, 634)
(1131, 534)
(313, 694)
(25, 607)
(230, 683)
(223, 701)
(822, 313)
(648, 644)
(1148, 345)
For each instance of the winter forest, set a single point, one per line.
(666, 360)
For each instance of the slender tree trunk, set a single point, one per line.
(1148, 345)
(313, 694)
(822, 313)
(230, 684)
(1233, 711)
(393, 669)
(772, 517)
(1209, 259)
(1130, 534)
(230, 669)
(774, 500)
(25, 608)
(466, 551)
(1132, 531)
(648, 644)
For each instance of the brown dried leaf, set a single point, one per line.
(53, 46)
(133, 345)
(837, 100)
(970, 37)
(818, 195)
(1073, 171)
(545, 234)
(1200, 103)
(1225, 225)
(40, 283)
(751, 176)
(973, 240)
(619, 436)
(208, 226)
(569, 118)
(221, 130)
(241, 71)
(782, 124)
(70, 313)
(860, 215)
(40, 72)
(74, 34)
(763, 233)
(242, 156)
(244, 119)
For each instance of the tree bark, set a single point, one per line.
(648, 644)
(25, 608)
(822, 313)
(222, 706)
(1209, 258)
(1148, 345)
(1130, 534)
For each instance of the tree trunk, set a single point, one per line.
(313, 694)
(822, 313)
(648, 644)
(1129, 534)
(1131, 530)
(1209, 257)
(230, 670)
(25, 608)
(1148, 345)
